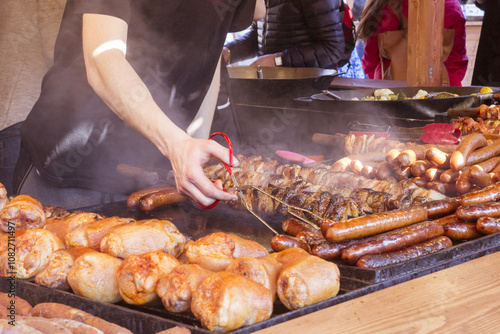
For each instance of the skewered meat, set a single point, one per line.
(4, 198)
(177, 288)
(61, 227)
(226, 301)
(94, 276)
(32, 252)
(91, 234)
(142, 237)
(307, 281)
(22, 212)
(138, 275)
(217, 250)
(263, 270)
(55, 275)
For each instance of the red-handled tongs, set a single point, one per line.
(236, 185)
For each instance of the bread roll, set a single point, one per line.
(94, 276)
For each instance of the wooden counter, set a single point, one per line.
(460, 299)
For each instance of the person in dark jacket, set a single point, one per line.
(294, 33)
(487, 65)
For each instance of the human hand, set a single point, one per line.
(265, 60)
(188, 158)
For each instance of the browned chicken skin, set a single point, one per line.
(23, 212)
(138, 275)
(63, 226)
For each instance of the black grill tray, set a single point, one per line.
(195, 223)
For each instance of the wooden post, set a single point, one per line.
(425, 42)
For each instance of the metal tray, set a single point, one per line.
(195, 222)
(417, 109)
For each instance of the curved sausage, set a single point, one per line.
(406, 158)
(282, 242)
(485, 195)
(448, 176)
(463, 184)
(469, 143)
(294, 226)
(475, 211)
(484, 153)
(488, 225)
(391, 157)
(438, 158)
(160, 198)
(439, 208)
(373, 224)
(479, 177)
(447, 219)
(330, 250)
(133, 199)
(461, 231)
(392, 241)
(427, 247)
(419, 167)
(341, 165)
(433, 173)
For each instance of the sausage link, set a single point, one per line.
(461, 231)
(383, 171)
(447, 219)
(391, 157)
(469, 143)
(475, 211)
(330, 250)
(479, 177)
(419, 181)
(485, 195)
(133, 198)
(294, 226)
(488, 225)
(392, 241)
(160, 198)
(433, 173)
(448, 189)
(281, 242)
(311, 237)
(463, 184)
(369, 172)
(341, 165)
(356, 166)
(406, 158)
(484, 153)
(448, 176)
(427, 247)
(439, 208)
(438, 158)
(419, 167)
(374, 224)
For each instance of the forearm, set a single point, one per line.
(119, 86)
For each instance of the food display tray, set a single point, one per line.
(195, 223)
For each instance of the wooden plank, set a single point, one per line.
(460, 299)
(425, 42)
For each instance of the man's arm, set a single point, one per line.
(119, 86)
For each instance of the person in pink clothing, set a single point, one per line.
(379, 16)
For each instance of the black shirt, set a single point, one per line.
(73, 138)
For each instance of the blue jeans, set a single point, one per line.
(10, 144)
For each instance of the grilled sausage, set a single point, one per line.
(461, 231)
(133, 199)
(488, 225)
(373, 224)
(427, 247)
(406, 158)
(438, 158)
(469, 143)
(383, 171)
(484, 153)
(448, 176)
(419, 181)
(369, 172)
(479, 177)
(160, 198)
(356, 166)
(392, 241)
(419, 167)
(282, 242)
(448, 189)
(341, 165)
(311, 237)
(485, 195)
(330, 250)
(447, 219)
(463, 184)
(441, 208)
(294, 226)
(475, 211)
